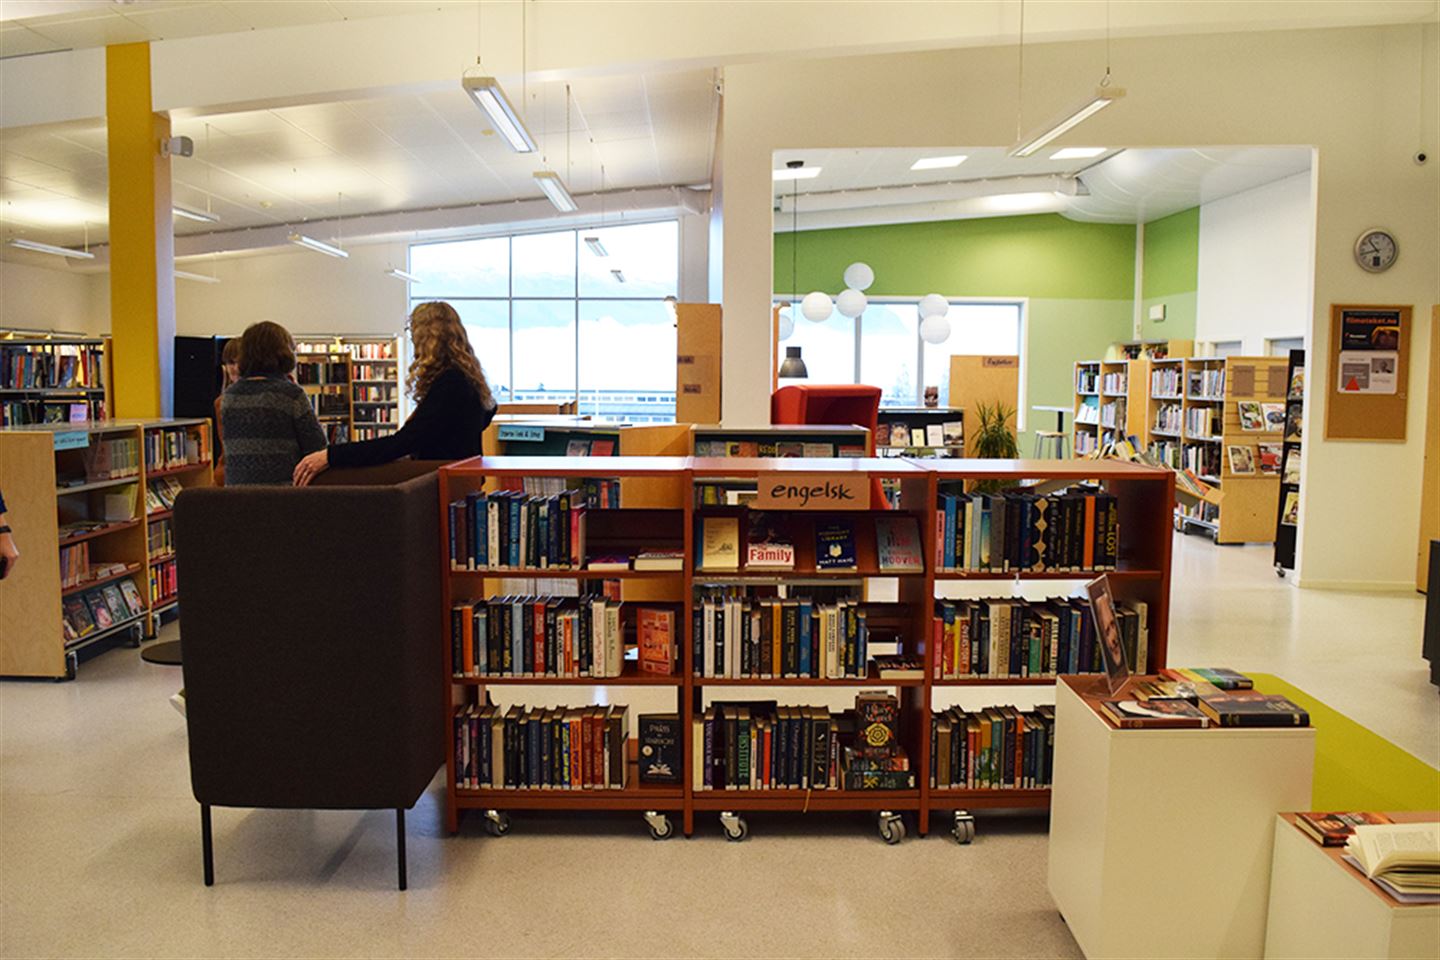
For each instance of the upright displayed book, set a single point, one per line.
(897, 544)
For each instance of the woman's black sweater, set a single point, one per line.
(445, 426)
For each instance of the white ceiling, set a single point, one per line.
(291, 164)
(864, 169)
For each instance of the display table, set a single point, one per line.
(1160, 840)
(1320, 906)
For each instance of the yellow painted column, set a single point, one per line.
(142, 238)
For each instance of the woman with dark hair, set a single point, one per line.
(267, 421)
(230, 364)
(454, 405)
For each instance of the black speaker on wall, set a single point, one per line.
(197, 375)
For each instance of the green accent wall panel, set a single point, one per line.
(1179, 323)
(1172, 255)
(1061, 332)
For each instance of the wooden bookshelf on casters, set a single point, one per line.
(658, 508)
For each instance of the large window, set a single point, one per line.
(883, 346)
(552, 323)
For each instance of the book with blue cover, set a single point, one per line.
(835, 546)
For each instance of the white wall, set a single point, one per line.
(1256, 257)
(43, 298)
(1298, 87)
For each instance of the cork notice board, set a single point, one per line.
(1359, 404)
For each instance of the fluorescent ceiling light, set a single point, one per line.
(488, 96)
(1104, 96)
(197, 277)
(399, 274)
(937, 163)
(550, 184)
(319, 246)
(1077, 153)
(39, 247)
(203, 216)
(596, 247)
(795, 173)
(618, 275)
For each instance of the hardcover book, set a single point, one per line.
(659, 750)
(1246, 708)
(897, 544)
(835, 546)
(1135, 714)
(1334, 829)
(720, 543)
(655, 630)
(765, 547)
(660, 560)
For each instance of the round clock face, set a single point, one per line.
(1376, 251)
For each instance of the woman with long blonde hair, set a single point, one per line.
(453, 401)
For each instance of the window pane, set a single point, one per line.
(976, 329)
(464, 268)
(828, 348)
(887, 351)
(544, 265)
(647, 254)
(544, 350)
(488, 324)
(627, 360)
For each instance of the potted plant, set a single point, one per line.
(994, 440)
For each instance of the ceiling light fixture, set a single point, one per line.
(319, 246)
(202, 216)
(596, 247)
(488, 96)
(795, 173)
(197, 277)
(551, 185)
(1104, 96)
(39, 247)
(399, 274)
(938, 163)
(1077, 153)
(618, 274)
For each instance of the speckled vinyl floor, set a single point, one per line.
(99, 835)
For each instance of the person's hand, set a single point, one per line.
(311, 467)
(9, 554)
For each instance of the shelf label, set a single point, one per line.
(515, 431)
(812, 491)
(71, 439)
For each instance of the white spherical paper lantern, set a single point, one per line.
(851, 303)
(859, 276)
(787, 324)
(935, 329)
(817, 306)
(933, 305)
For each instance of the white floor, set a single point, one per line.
(99, 834)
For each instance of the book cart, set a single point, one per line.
(659, 507)
(61, 498)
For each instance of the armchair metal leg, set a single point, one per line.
(207, 845)
(400, 845)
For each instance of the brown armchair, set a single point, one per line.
(312, 649)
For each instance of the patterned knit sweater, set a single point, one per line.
(267, 425)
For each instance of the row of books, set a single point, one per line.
(375, 414)
(374, 371)
(1088, 410)
(335, 432)
(1112, 414)
(1167, 453)
(17, 413)
(1010, 637)
(533, 748)
(1206, 383)
(1165, 381)
(329, 404)
(761, 745)
(171, 447)
(597, 493)
(51, 367)
(311, 373)
(100, 609)
(372, 349)
(510, 529)
(547, 636)
(1116, 382)
(590, 447)
(164, 581)
(160, 494)
(776, 448)
(744, 637)
(995, 748)
(160, 539)
(372, 431)
(1073, 530)
(74, 565)
(950, 433)
(1202, 422)
(1087, 378)
(374, 393)
(111, 458)
(1169, 418)
(1085, 443)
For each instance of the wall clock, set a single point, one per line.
(1376, 251)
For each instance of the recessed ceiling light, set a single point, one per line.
(1077, 153)
(937, 163)
(1022, 202)
(795, 173)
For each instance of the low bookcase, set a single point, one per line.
(663, 504)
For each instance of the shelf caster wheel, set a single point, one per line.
(964, 829)
(72, 667)
(660, 826)
(134, 641)
(735, 826)
(497, 823)
(892, 828)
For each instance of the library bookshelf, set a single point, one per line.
(661, 505)
(48, 377)
(1110, 404)
(371, 383)
(62, 496)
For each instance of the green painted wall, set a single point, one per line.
(1170, 274)
(1079, 279)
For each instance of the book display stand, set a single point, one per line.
(669, 504)
(1287, 509)
(97, 496)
